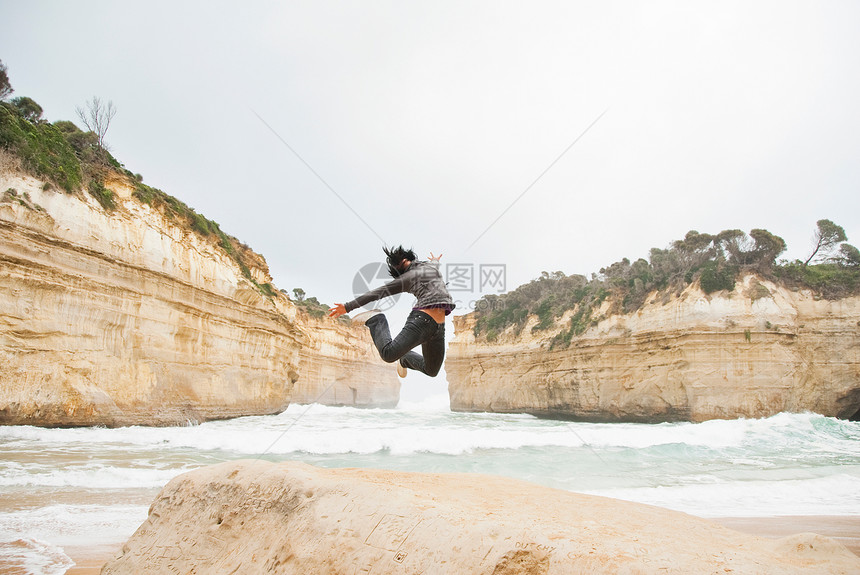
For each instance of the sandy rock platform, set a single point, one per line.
(258, 517)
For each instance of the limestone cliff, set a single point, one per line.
(328, 368)
(290, 518)
(753, 352)
(127, 317)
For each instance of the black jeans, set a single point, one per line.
(420, 329)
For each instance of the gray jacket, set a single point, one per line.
(422, 279)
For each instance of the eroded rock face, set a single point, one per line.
(126, 318)
(257, 517)
(755, 352)
(340, 366)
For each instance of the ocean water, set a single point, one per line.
(66, 488)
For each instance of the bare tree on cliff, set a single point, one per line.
(97, 118)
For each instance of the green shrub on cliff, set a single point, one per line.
(830, 280)
(104, 196)
(313, 307)
(85, 144)
(717, 275)
(28, 108)
(42, 147)
(310, 305)
(5, 85)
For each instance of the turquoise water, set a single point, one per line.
(70, 487)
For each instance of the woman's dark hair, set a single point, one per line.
(396, 255)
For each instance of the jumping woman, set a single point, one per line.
(425, 325)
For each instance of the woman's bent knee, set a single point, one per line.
(388, 357)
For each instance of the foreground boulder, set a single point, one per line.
(258, 517)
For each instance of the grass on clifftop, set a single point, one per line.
(42, 148)
(714, 261)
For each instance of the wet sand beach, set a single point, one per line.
(841, 528)
(90, 560)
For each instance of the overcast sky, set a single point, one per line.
(316, 131)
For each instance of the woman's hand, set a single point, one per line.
(337, 311)
(435, 258)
